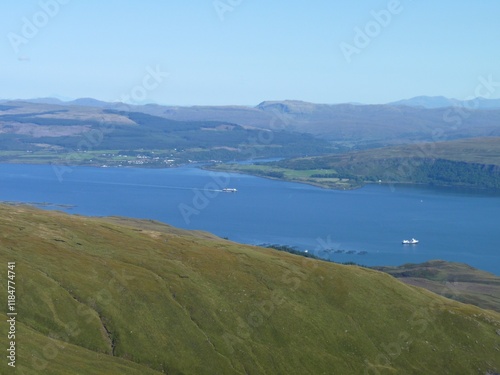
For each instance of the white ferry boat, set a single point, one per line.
(413, 241)
(229, 190)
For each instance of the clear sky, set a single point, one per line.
(246, 51)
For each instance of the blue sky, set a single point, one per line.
(246, 51)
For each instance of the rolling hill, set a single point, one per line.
(473, 162)
(122, 296)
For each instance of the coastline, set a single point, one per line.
(210, 166)
(353, 186)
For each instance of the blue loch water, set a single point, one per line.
(364, 226)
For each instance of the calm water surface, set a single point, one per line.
(451, 224)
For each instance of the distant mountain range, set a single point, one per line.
(429, 102)
(84, 102)
(91, 132)
(345, 125)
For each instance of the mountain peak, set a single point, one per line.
(426, 102)
(288, 106)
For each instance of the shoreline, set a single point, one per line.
(203, 166)
(466, 188)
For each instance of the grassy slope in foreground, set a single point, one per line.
(471, 162)
(119, 296)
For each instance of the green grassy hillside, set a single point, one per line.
(118, 296)
(468, 163)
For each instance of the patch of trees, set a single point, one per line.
(433, 171)
(446, 172)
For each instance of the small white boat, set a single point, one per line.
(229, 190)
(413, 241)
